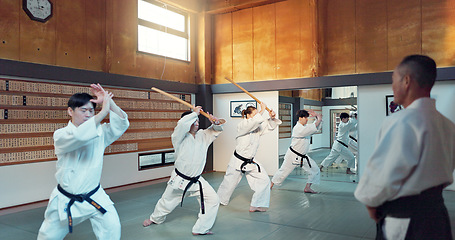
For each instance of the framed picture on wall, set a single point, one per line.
(391, 106)
(238, 106)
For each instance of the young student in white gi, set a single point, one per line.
(249, 132)
(80, 148)
(413, 161)
(190, 147)
(340, 146)
(353, 144)
(296, 154)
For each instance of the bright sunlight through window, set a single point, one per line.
(162, 30)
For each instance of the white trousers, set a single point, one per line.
(339, 150)
(105, 226)
(291, 161)
(353, 147)
(171, 198)
(259, 182)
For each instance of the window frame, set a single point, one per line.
(185, 34)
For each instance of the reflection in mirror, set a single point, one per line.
(334, 143)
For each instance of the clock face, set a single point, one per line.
(39, 10)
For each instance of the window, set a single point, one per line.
(163, 30)
(154, 159)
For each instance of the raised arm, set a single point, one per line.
(184, 126)
(212, 132)
(100, 93)
(317, 115)
(271, 123)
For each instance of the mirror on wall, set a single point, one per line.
(331, 103)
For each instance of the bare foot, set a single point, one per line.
(348, 171)
(271, 185)
(207, 233)
(258, 209)
(309, 190)
(147, 222)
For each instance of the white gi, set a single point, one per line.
(353, 145)
(415, 151)
(190, 157)
(249, 132)
(339, 149)
(300, 143)
(80, 153)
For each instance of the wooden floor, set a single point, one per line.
(332, 214)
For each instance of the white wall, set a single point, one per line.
(371, 105)
(26, 183)
(224, 145)
(344, 92)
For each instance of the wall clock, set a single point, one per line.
(38, 10)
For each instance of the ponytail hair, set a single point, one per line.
(248, 110)
(302, 113)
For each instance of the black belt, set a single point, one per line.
(192, 181)
(80, 198)
(342, 143)
(246, 161)
(410, 206)
(353, 138)
(302, 156)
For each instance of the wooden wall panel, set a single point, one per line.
(222, 53)
(288, 42)
(438, 31)
(403, 31)
(308, 39)
(149, 67)
(37, 40)
(124, 36)
(9, 29)
(340, 37)
(242, 49)
(371, 36)
(287, 93)
(264, 42)
(71, 33)
(312, 94)
(191, 67)
(95, 35)
(204, 49)
(183, 72)
(95, 12)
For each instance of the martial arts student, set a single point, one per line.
(413, 160)
(80, 148)
(296, 153)
(353, 144)
(249, 132)
(340, 146)
(190, 147)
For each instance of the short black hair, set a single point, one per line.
(344, 115)
(79, 100)
(302, 113)
(248, 110)
(421, 68)
(185, 113)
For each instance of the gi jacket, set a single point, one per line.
(249, 131)
(415, 151)
(190, 152)
(80, 152)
